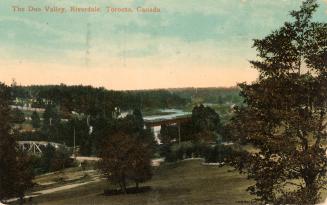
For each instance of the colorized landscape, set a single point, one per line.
(167, 103)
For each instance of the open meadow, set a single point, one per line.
(186, 182)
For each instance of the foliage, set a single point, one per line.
(24, 175)
(211, 95)
(48, 155)
(51, 116)
(53, 159)
(102, 127)
(15, 171)
(218, 153)
(125, 158)
(36, 121)
(205, 126)
(96, 101)
(211, 153)
(205, 119)
(133, 124)
(285, 113)
(87, 141)
(184, 150)
(61, 159)
(17, 116)
(168, 134)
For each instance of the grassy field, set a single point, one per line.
(67, 177)
(186, 182)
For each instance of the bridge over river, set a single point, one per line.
(37, 147)
(175, 117)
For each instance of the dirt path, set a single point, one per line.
(62, 188)
(95, 178)
(155, 162)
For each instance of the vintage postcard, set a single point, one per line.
(170, 102)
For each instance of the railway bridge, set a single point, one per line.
(37, 147)
(155, 122)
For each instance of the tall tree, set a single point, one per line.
(285, 112)
(51, 123)
(133, 124)
(47, 157)
(36, 121)
(51, 116)
(206, 123)
(168, 134)
(15, 173)
(124, 158)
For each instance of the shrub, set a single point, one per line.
(184, 150)
(217, 153)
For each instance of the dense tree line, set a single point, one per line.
(126, 99)
(95, 101)
(211, 95)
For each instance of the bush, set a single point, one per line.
(217, 153)
(53, 159)
(184, 150)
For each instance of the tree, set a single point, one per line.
(24, 175)
(61, 159)
(141, 163)
(285, 113)
(205, 118)
(168, 134)
(51, 116)
(53, 159)
(138, 118)
(51, 123)
(36, 122)
(47, 157)
(15, 171)
(102, 127)
(206, 124)
(133, 124)
(124, 158)
(17, 116)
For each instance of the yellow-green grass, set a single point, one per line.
(186, 182)
(65, 177)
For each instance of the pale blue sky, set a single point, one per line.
(213, 36)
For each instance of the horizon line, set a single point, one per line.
(127, 90)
